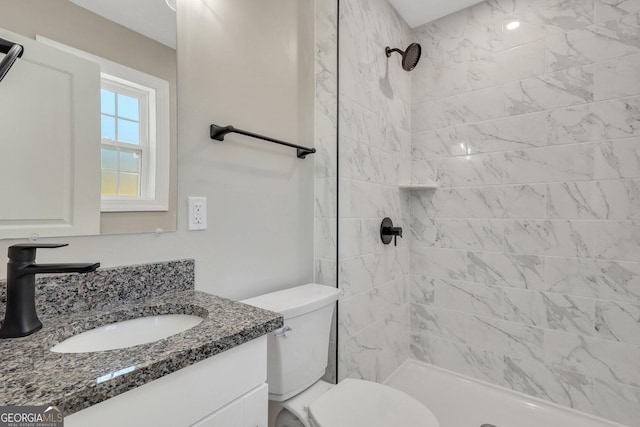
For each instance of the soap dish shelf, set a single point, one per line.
(431, 185)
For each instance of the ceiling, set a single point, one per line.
(151, 18)
(419, 12)
(155, 20)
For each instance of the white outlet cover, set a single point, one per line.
(197, 213)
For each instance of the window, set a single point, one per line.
(135, 137)
(125, 141)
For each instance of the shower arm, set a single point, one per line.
(389, 51)
(12, 52)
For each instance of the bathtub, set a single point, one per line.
(459, 401)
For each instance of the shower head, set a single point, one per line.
(410, 57)
(13, 51)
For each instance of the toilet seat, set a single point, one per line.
(364, 403)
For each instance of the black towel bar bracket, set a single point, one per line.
(12, 52)
(219, 132)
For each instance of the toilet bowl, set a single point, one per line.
(353, 403)
(297, 356)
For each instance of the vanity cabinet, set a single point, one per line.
(226, 390)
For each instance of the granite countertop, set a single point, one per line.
(33, 375)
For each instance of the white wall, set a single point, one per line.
(250, 65)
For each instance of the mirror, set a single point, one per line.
(88, 118)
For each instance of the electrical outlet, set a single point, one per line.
(197, 213)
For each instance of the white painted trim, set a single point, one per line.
(159, 128)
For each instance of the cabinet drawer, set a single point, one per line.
(248, 411)
(185, 396)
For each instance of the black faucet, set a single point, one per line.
(388, 231)
(20, 318)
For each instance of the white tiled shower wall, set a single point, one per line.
(525, 264)
(326, 159)
(375, 147)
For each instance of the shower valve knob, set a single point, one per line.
(388, 231)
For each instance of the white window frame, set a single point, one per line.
(156, 168)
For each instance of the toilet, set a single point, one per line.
(297, 359)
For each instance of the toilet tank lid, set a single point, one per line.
(296, 301)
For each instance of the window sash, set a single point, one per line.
(146, 142)
(144, 99)
(143, 153)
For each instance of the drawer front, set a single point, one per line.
(183, 397)
(256, 407)
(251, 410)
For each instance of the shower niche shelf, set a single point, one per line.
(430, 185)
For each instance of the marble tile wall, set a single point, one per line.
(326, 157)
(525, 264)
(374, 155)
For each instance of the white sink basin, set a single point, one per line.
(127, 333)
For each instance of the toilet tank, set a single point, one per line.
(297, 353)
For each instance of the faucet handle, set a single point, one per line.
(27, 251)
(388, 232)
